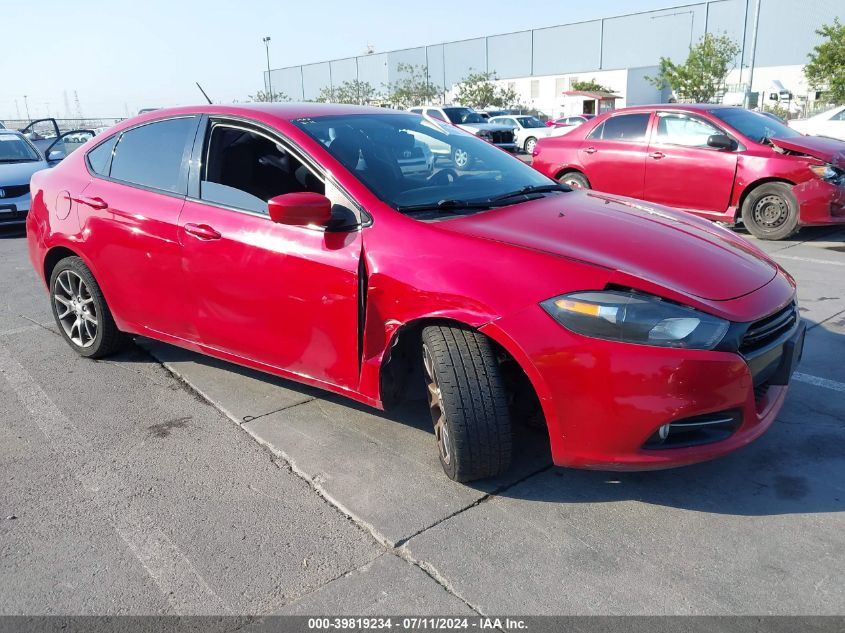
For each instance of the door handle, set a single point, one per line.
(94, 203)
(590, 150)
(657, 155)
(202, 231)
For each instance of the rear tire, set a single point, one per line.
(770, 211)
(575, 180)
(468, 402)
(81, 312)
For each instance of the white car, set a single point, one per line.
(526, 129)
(828, 123)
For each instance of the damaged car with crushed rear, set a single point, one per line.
(294, 239)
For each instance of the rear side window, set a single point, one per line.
(99, 158)
(623, 127)
(155, 155)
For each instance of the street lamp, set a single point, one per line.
(266, 41)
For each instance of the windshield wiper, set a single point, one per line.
(447, 206)
(529, 189)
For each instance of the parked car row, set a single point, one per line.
(722, 163)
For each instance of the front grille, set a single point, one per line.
(764, 331)
(694, 431)
(14, 191)
(501, 137)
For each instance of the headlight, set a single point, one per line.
(827, 172)
(634, 317)
(484, 134)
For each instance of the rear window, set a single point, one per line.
(623, 127)
(154, 155)
(99, 158)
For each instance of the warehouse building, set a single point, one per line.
(619, 52)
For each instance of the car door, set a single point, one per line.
(681, 170)
(66, 144)
(130, 214)
(281, 295)
(613, 154)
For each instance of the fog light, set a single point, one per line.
(663, 432)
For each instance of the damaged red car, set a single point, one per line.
(340, 247)
(719, 162)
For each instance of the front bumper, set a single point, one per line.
(604, 402)
(820, 202)
(509, 147)
(13, 211)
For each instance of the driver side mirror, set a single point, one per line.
(55, 155)
(721, 141)
(300, 209)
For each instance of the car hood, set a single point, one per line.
(665, 247)
(486, 126)
(829, 150)
(19, 173)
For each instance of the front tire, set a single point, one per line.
(81, 312)
(575, 180)
(770, 211)
(468, 403)
(530, 144)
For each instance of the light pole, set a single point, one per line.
(26, 106)
(266, 41)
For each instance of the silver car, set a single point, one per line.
(19, 159)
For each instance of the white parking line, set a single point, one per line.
(808, 259)
(175, 576)
(819, 382)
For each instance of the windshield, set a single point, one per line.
(418, 164)
(463, 115)
(14, 149)
(754, 125)
(530, 121)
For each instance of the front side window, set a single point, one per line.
(436, 114)
(675, 128)
(623, 127)
(15, 149)
(753, 125)
(244, 169)
(154, 155)
(530, 122)
(414, 164)
(460, 116)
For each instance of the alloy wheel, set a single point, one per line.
(75, 309)
(435, 405)
(530, 144)
(461, 157)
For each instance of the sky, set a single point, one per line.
(120, 56)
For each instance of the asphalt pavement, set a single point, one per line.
(160, 482)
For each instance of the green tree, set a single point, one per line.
(413, 88)
(826, 69)
(479, 90)
(355, 91)
(703, 73)
(264, 96)
(589, 86)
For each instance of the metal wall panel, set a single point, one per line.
(726, 18)
(787, 29)
(344, 70)
(411, 56)
(642, 39)
(570, 48)
(436, 66)
(288, 81)
(373, 69)
(463, 58)
(315, 77)
(509, 55)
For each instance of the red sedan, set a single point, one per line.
(720, 162)
(304, 241)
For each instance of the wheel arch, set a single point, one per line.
(53, 256)
(560, 173)
(746, 191)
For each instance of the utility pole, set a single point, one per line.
(753, 55)
(26, 107)
(266, 41)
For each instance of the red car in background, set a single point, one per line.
(722, 163)
(299, 240)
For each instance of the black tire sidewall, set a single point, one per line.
(529, 146)
(782, 190)
(577, 176)
(76, 265)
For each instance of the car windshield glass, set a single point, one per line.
(530, 121)
(14, 149)
(463, 115)
(753, 125)
(417, 164)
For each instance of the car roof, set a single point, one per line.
(681, 107)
